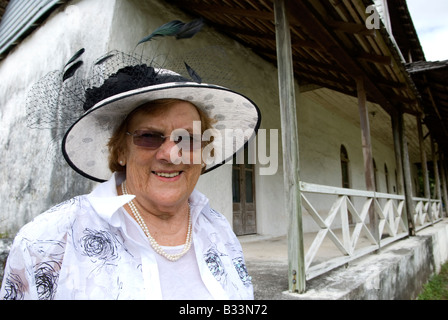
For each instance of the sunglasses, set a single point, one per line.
(153, 140)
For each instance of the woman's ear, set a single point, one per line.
(121, 157)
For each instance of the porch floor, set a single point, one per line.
(276, 248)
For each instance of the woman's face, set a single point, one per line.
(150, 173)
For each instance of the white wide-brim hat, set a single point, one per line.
(87, 108)
(237, 120)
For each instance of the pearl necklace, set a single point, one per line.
(157, 248)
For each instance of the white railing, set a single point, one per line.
(354, 238)
(427, 212)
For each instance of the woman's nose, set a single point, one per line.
(169, 152)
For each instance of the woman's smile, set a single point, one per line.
(168, 175)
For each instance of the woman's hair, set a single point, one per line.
(117, 143)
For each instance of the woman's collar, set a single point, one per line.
(105, 200)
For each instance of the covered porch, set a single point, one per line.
(329, 44)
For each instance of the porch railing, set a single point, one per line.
(346, 225)
(427, 212)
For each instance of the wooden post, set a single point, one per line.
(398, 122)
(423, 160)
(290, 145)
(398, 157)
(437, 188)
(367, 153)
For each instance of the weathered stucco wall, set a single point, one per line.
(33, 174)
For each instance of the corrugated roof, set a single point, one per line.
(20, 18)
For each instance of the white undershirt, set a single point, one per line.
(181, 280)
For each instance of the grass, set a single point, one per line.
(437, 287)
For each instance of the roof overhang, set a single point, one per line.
(331, 45)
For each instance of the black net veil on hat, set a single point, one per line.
(83, 105)
(56, 102)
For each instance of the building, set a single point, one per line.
(361, 125)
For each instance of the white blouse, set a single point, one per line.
(89, 247)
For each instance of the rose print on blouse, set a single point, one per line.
(240, 267)
(46, 272)
(14, 287)
(213, 259)
(46, 279)
(214, 263)
(101, 245)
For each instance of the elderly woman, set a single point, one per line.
(145, 232)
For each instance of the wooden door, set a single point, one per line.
(243, 184)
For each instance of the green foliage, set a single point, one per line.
(437, 287)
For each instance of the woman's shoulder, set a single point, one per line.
(215, 222)
(206, 213)
(56, 221)
(214, 216)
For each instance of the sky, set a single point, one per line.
(430, 19)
